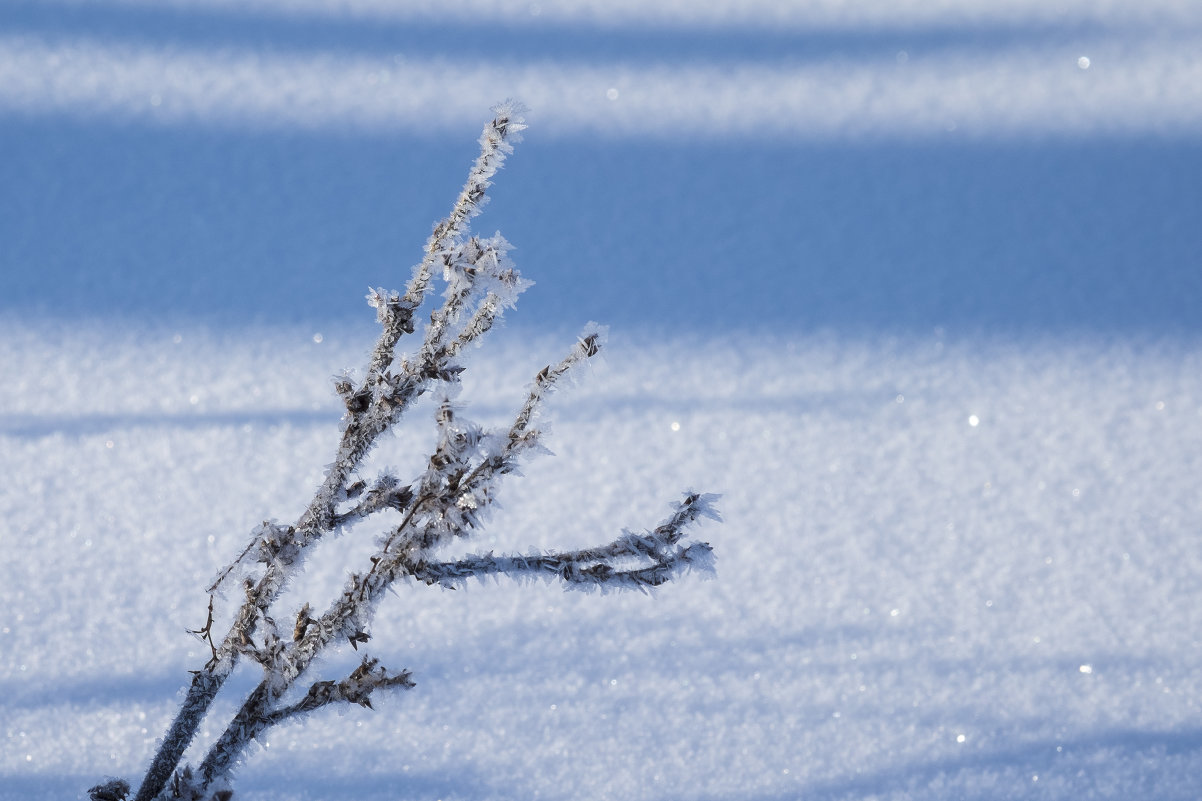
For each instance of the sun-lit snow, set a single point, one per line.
(1147, 84)
(906, 605)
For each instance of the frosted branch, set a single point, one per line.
(357, 688)
(396, 313)
(633, 561)
(450, 499)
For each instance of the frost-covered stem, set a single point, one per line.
(203, 689)
(598, 566)
(248, 724)
(588, 346)
(480, 324)
(586, 567)
(364, 426)
(495, 144)
(364, 590)
(257, 714)
(448, 500)
(356, 688)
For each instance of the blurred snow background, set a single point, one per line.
(915, 285)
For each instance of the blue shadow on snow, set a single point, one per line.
(1093, 236)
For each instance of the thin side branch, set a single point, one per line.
(633, 561)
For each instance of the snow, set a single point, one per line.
(947, 383)
(905, 604)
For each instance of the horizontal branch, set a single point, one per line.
(577, 568)
(658, 555)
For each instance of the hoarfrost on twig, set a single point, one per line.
(450, 499)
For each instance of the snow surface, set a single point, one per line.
(908, 604)
(917, 294)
